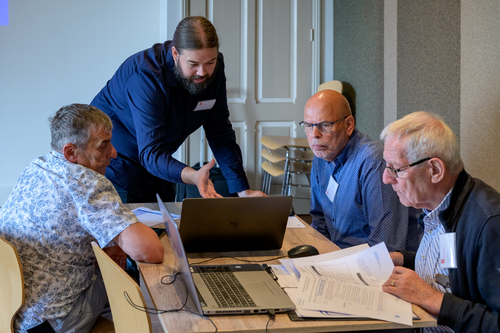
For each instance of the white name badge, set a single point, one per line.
(205, 105)
(447, 249)
(331, 189)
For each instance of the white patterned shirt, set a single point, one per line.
(53, 213)
(427, 259)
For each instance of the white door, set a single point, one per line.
(268, 52)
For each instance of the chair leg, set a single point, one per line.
(269, 182)
(285, 188)
(286, 176)
(263, 188)
(283, 185)
(266, 183)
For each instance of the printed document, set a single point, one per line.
(351, 285)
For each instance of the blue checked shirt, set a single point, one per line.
(364, 209)
(53, 213)
(427, 258)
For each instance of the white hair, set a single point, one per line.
(423, 134)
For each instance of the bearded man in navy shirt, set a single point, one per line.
(156, 99)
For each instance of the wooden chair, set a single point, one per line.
(125, 317)
(333, 85)
(11, 285)
(12, 291)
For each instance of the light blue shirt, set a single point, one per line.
(364, 209)
(53, 213)
(427, 258)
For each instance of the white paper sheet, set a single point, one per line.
(292, 293)
(294, 222)
(150, 217)
(352, 285)
(288, 264)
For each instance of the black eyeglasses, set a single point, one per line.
(323, 127)
(394, 172)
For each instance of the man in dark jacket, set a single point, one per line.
(156, 99)
(455, 274)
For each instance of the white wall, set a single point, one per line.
(57, 52)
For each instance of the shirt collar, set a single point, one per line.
(169, 59)
(435, 214)
(348, 150)
(58, 155)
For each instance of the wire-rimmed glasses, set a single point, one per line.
(394, 172)
(323, 127)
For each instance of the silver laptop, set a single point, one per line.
(251, 289)
(234, 224)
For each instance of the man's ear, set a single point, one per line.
(437, 169)
(70, 152)
(175, 54)
(350, 124)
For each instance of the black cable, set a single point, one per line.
(272, 315)
(220, 257)
(170, 276)
(156, 311)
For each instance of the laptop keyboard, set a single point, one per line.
(225, 287)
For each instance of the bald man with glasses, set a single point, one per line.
(350, 205)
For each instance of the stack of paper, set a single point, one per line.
(344, 283)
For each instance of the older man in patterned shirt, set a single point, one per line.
(349, 203)
(455, 274)
(60, 204)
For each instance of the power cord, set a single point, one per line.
(272, 315)
(157, 311)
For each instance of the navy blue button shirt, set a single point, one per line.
(152, 116)
(364, 209)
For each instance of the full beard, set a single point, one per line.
(188, 84)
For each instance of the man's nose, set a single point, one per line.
(113, 152)
(202, 71)
(316, 132)
(387, 178)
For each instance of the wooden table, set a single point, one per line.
(172, 296)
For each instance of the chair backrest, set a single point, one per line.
(125, 317)
(11, 285)
(333, 85)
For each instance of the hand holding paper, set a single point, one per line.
(352, 285)
(407, 285)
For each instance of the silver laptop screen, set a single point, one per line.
(181, 263)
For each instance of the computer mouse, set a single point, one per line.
(302, 251)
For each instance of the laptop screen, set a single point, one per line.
(181, 263)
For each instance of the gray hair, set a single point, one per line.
(195, 33)
(73, 124)
(423, 134)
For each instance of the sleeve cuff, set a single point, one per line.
(408, 259)
(175, 171)
(449, 310)
(238, 185)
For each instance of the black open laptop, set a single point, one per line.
(234, 224)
